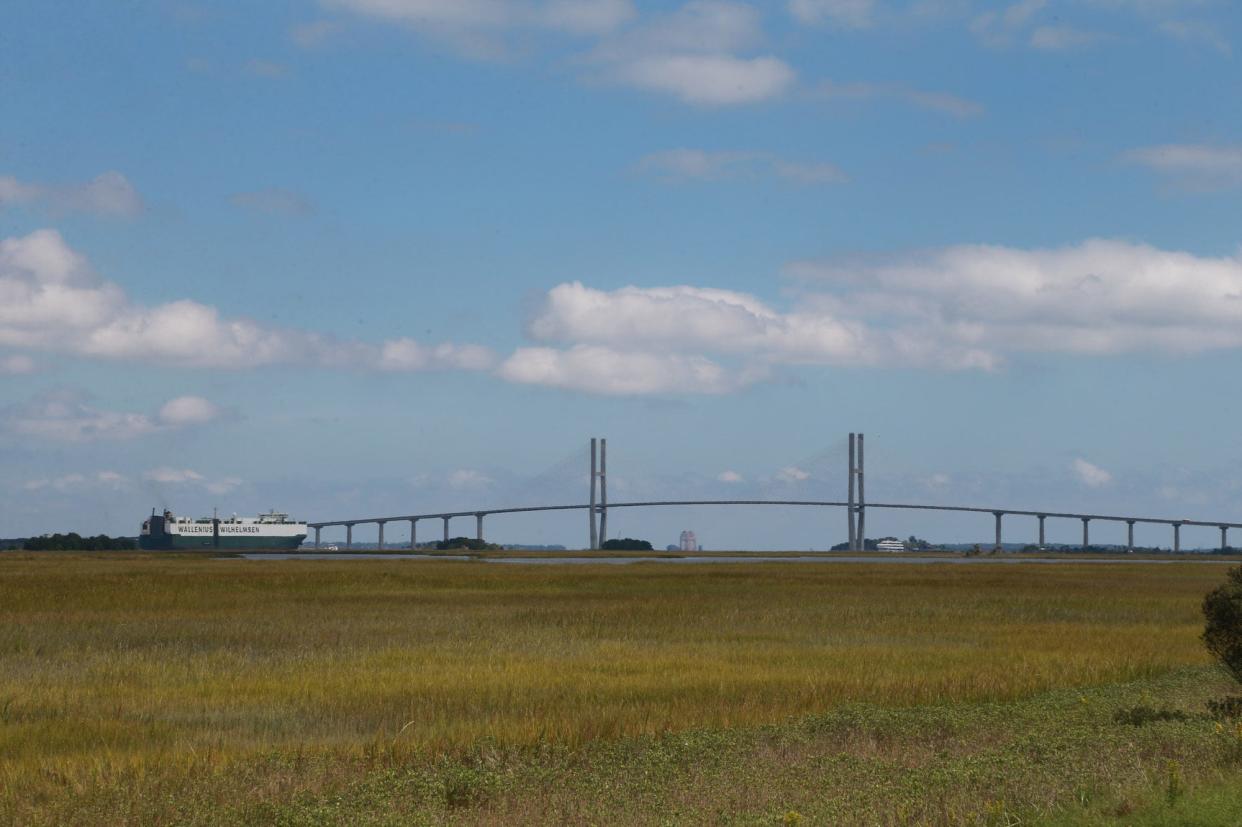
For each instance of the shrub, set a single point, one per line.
(626, 544)
(1222, 632)
(1139, 715)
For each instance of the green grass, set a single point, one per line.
(185, 690)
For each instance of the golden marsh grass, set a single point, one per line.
(153, 663)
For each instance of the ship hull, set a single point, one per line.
(178, 542)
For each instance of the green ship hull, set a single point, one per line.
(176, 542)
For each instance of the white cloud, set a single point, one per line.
(462, 22)
(693, 54)
(266, 69)
(16, 364)
(65, 416)
(792, 474)
(468, 478)
(1198, 166)
(956, 308)
(168, 475)
(730, 477)
(845, 14)
(108, 194)
(70, 482)
(172, 476)
(943, 102)
(188, 410)
(274, 202)
(51, 300)
(709, 80)
(703, 165)
(408, 355)
(1097, 297)
(1092, 476)
(603, 370)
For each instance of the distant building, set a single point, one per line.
(689, 542)
(890, 544)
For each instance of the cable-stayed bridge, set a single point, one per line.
(855, 506)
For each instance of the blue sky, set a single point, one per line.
(368, 256)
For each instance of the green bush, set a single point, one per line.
(1222, 633)
(626, 544)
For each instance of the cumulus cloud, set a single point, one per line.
(108, 194)
(479, 28)
(695, 55)
(51, 300)
(968, 307)
(1198, 166)
(468, 478)
(188, 410)
(793, 474)
(703, 165)
(172, 476)
(616, 372)
(1092, 476)
(943, 102)
(731, 477)
(77, 481)
(67, 416)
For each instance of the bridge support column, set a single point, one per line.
(603, 490)
(849, 510)
(1042, 517)
(1129, 536)
(413, 534)
(1177, 537)
(1086, 533)
(349, 535)
(999, 515)
(316, 538)
(478, 520)
(446, 537)
(593, 539)
(380, 542)
(1224, 539)
(862, 500)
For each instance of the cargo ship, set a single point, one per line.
(273, 530)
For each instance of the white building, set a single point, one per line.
(689, 542)
(890, 544)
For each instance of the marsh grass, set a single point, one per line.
(171, 688)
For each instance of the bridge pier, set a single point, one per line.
(413, 534)
(478, 520)
(446, 521)
(1042, 517)
(316, 538)
(1129, 536)
(862, 500)
(1224, 539)
(593, 538)
(849, 509)
(603, 490)
(999, 515)
(349, 535)
(1086, 535)
(1177, 537)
